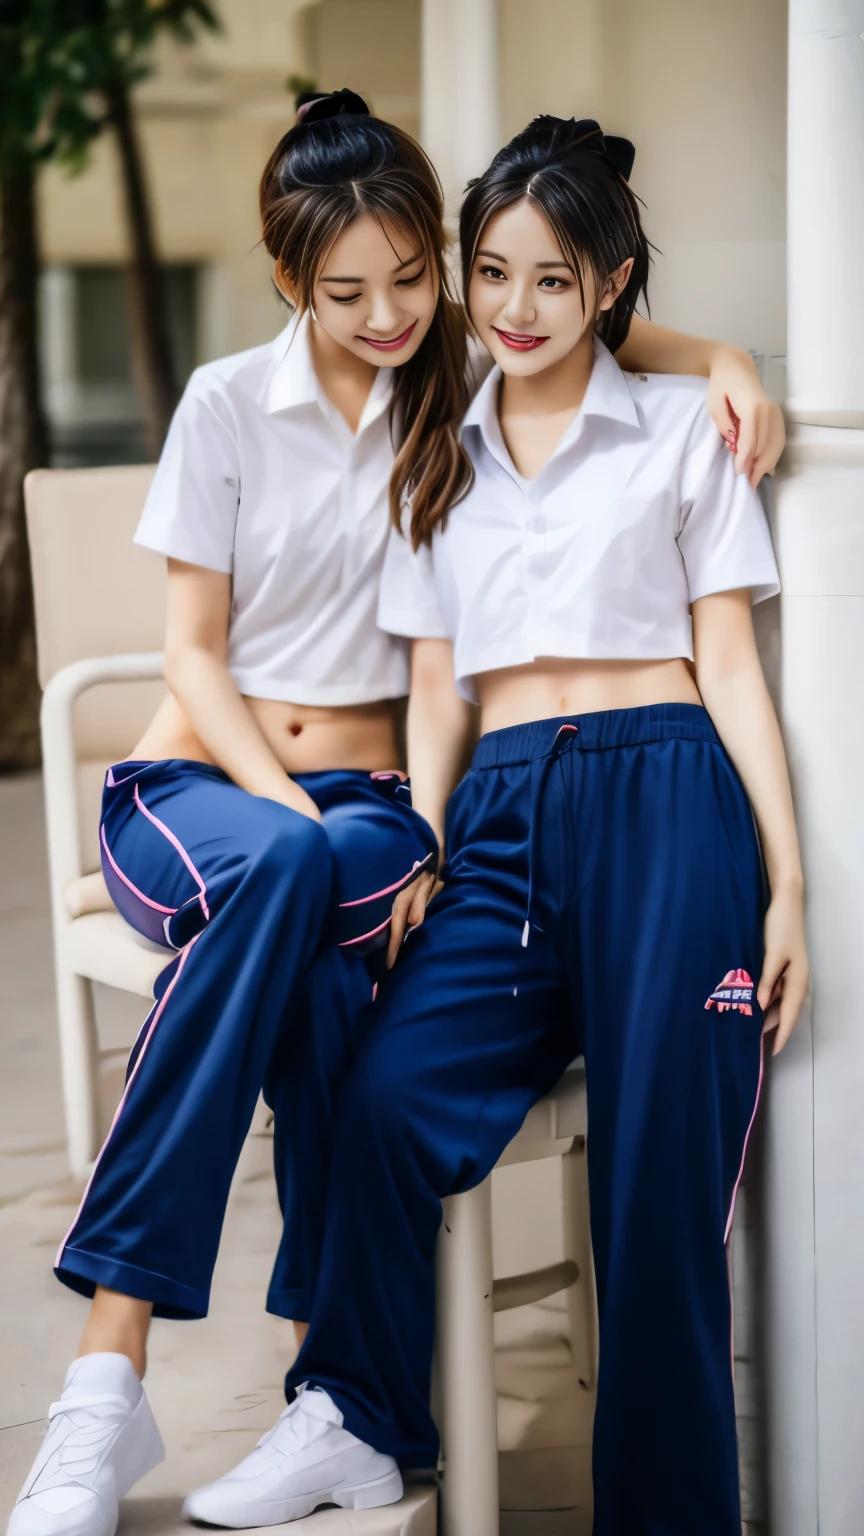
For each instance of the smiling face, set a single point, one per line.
(376, 291)
(524, 295)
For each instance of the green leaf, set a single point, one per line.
(59, 59)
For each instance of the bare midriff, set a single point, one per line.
(552, 686)
(303, 737)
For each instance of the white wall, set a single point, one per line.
(372, 46)
(701, 89)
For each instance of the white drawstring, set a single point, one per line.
(564, 738)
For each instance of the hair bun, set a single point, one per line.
(342, 103)
(586, 133)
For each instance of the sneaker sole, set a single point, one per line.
(372, 1495)
(384, 1490)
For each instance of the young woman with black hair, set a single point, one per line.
(260, 829)
(605, 891)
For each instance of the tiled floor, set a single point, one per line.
(216, 1384)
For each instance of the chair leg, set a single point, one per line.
(466, 1361)
(581, 1297)
(78, 1062)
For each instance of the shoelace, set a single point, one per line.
(81, 1449)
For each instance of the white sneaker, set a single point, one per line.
(307, 1459)
(101, 1438)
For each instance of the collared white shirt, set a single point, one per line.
(636, 514)
(261, 478)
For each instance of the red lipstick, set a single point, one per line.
(518, 342)
(393, 345)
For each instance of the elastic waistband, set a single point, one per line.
(596, 732)
(120, 773)
(133, 768)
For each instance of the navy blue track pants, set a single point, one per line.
(604, 894)
(274, 920)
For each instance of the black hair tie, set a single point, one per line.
(342, 103)
(587, 134)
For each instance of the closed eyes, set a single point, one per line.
(402, 282)
(408, 282)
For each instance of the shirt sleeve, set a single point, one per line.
(407, 598)
(723, 535)
(191, 509)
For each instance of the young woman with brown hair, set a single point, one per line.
(261, 828)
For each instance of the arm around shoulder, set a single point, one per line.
(748, 420)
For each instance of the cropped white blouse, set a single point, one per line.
(261, 478)
(637, 513)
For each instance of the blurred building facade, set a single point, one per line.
(209, 118)
(705, 107)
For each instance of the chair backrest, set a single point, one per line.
(96, 594)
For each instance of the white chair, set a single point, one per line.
(468, 1298)
(100, 622)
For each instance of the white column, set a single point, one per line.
(59, 343)
(826, 212)
(459, 110)
(815, 1132)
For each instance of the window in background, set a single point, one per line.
(90, 399)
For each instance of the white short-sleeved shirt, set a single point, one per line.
(261, 478)
(637, 513)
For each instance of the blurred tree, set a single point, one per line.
(102, 49)
(27, 102)
(302, 88)
(67, 69)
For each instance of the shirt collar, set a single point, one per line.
(608, 394)
(293, 381)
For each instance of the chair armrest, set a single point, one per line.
(58, 755)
